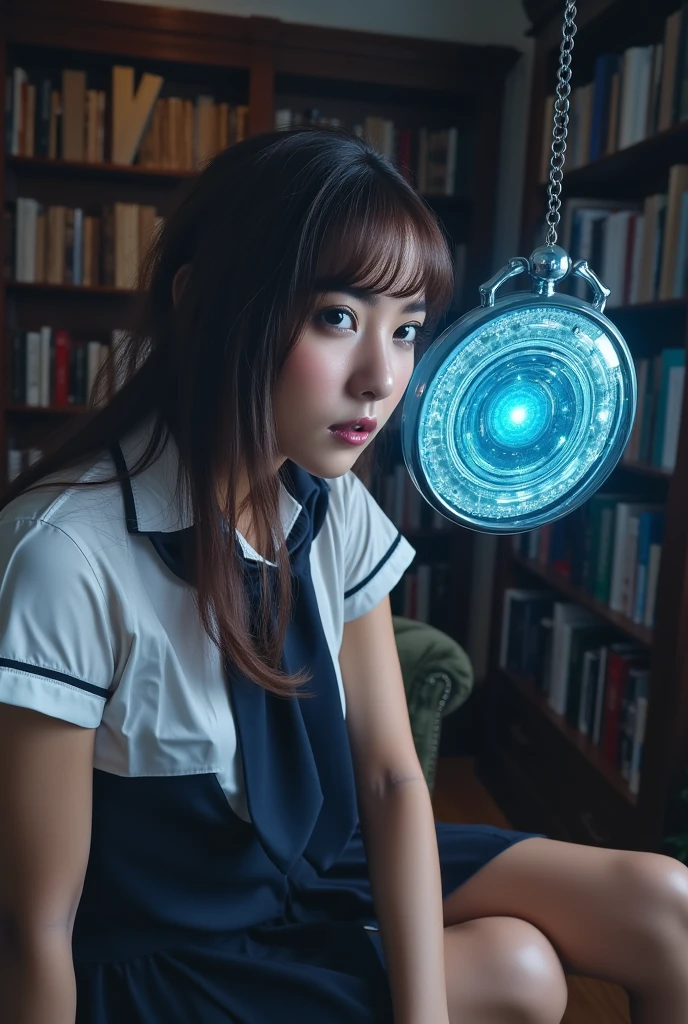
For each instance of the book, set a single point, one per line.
(637, 685)
(564, 616)
(591, 661)
(678, 187)
(650, 531)
(624, 554)
(583, 638)
(672, 418)
(672, 29)
(638, 738)
(620, 659)
(605, 67)
(670, 357)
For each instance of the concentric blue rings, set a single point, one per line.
(518, 413)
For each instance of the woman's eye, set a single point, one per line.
(340, 318)
(408, 333)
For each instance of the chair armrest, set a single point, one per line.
(438, 678)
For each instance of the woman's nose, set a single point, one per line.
(374, 374)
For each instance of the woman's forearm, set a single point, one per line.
(401, 846)
(37, 984)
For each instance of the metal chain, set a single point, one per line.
(561, 122)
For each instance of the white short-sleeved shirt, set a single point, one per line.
(97, 631)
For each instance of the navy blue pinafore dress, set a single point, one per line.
(191, 915)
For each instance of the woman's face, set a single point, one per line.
(353, 361)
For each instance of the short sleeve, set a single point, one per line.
(56, 654)
(376, 554)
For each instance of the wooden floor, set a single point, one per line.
(459, 797)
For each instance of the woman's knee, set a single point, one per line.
(504, 968)
(655, 887)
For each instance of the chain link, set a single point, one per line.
(561, 122)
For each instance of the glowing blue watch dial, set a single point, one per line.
(519, 412)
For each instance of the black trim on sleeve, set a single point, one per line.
(35, 670)
(385, 557)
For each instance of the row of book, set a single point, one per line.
(55, 115)
(184, 134)
(50, 367)
(633, 96)
(597, 683)
(62, 245)
(439, 162)
(423, 594)
(610, 548)
(640, 251)
(20, 459)
(655, 435)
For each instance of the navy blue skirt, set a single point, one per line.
(184, 920)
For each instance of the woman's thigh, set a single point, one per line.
(604, 911)
(502, 969)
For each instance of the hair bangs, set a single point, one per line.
(383, 238)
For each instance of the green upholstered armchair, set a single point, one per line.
(438, 678)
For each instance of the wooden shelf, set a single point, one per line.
(41, 167)
(72, 289)
(562, 786)
(47, 410)
(630, 173)
(584, 746)
(634, 630)
(33, 166)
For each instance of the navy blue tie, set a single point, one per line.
(297, 762)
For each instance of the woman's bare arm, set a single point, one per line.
(46, 773)
(396, 819)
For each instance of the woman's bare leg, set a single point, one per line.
(609, 914)
(502, 971)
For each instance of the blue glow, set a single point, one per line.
(516, 422)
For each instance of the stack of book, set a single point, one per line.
(61, 245)
(633, 96)
(599, 685)
(655, 435)
(640, 251)
(610, 547)
(440, 162)
(184, 134)
(19, 459)
(52, 368)
(56, 116)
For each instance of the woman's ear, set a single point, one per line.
(179, 282)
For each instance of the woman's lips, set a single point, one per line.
(350, 436)
(366, 423)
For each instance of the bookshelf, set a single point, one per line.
(261, 65)
(569, 774)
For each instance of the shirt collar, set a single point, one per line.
(157, 504)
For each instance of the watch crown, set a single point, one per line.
(549, 263)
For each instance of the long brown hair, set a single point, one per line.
(262, 224)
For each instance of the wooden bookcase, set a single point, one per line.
(546, 775)
(267, 64)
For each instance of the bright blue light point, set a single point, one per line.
(519, 414)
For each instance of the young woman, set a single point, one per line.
(209, 794)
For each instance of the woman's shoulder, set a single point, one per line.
(346, 492)
(72, 502)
